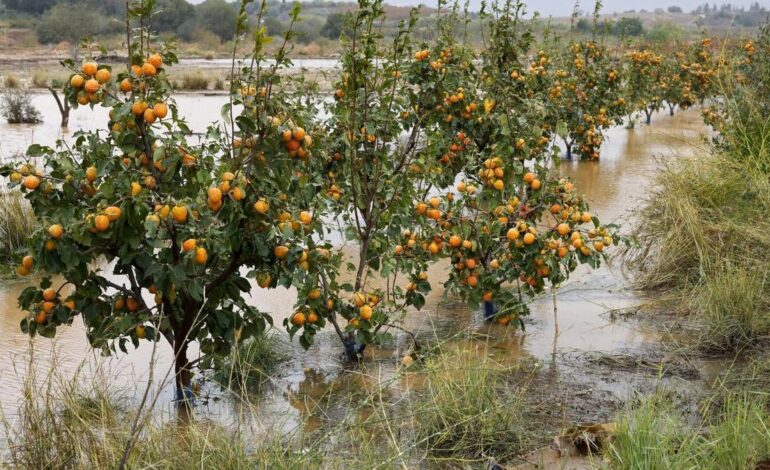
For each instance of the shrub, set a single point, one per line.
(64, 22)
(17, 108)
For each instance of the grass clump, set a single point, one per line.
(252, 363)
(468, 410)
(10, 82)
(194, 81)
(16, 223)
(655, 434)
(704, 237)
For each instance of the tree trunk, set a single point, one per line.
(648, 113)
(671, 108)
(569, 149)
(182, 374)
(64, 107)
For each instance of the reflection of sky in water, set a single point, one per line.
(614, 187)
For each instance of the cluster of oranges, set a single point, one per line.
(150, 114)
(89, 82)
(422, 54)
(227, 186)
(49, 302)
(459, 143)
(29, 177)
(297, 142)
(200, 254)
(100, 222)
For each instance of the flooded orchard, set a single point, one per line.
(561, 340)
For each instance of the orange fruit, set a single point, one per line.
(132, 304)
(31, 182)
(69, 303)
(149, 181)
(359, 299)
(156, 60)
(529, 177)
(189, 244)
(161, 110)
(179, 213)
(149, 115)
(140, 332)
(281, 251)
(55, 231)
(513, 234)
(237, 194)
(598, 246)
(28, 261)
(188, 160)
(49, 294)
(305, 217)
(77, 81)
(535, 184)
(365, 312)
(91, 174)
(89, 68)
(292, 145)
(215, 194)
(103, 75)
(113, 213)
(494, 264)
(149, 70)
(136, 188)
(138, 108)
(263, 280)
(101, 223)
(312, 317)
(120, 303)
(298, 319)
(91, 86)
(585, 217)
(261, 206)
(455, 241)
(50, 245)
(529, 239)
(563, 229)
(298, 134)
(472, 281)
(488, 296)
(41, 317)
(126, 86)
(201, 255)
(48, 306)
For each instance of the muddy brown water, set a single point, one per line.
(614, 187)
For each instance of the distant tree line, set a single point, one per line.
(71, 20)
(625, 26)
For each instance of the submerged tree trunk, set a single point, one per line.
(64, 107)
(182, 373)
(569, 149)
(671, 108)
(648, 113)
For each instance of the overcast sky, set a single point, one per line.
(564, 8)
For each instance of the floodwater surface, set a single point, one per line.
(614, 187)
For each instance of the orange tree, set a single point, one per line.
(383, 151)
(512, 227)
(157, 231)
(675, 84)
(584, 97)
(644, 70)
